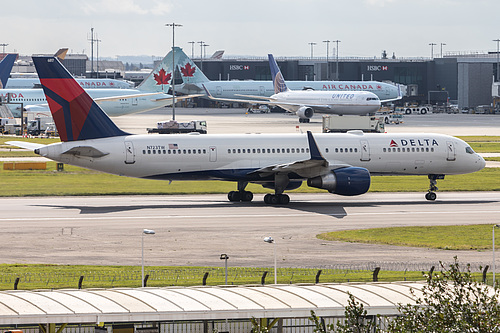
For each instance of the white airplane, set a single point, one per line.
(33, 82)
(339, 163)
(149, 95)
(193, 79)
(305, 102)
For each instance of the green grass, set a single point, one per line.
(463, 237)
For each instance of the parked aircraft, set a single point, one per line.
(305, 102)
(5, 68)
(193, 79)
(149, 95)
(339, 163)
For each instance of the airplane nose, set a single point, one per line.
(481, 163)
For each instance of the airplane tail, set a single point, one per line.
(190, 73)
(160, 78)
(278, 80)
(5, 68)
(76, 115)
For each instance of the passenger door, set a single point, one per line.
(450, 148)
(212, 154)
(129, 152)
(365, 150)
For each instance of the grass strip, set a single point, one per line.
(462, 237)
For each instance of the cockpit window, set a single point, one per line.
(469, 150)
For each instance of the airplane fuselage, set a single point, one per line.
(235, 157)
(233, 89)
(32, 98)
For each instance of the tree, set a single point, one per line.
(451, 302)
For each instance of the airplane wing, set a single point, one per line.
(25, 145)
(180, 98)
(115, 98)
(267, 102)
(316, 165)
(252, 96)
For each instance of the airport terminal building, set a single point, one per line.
(462, 79)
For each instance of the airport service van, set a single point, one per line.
(174, 127)
(335, 123)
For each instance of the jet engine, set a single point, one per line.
(345, 181)
(305, 113)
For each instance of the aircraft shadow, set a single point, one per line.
(334, 209)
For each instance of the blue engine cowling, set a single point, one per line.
(344, 181)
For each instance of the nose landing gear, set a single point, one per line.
(430, 195)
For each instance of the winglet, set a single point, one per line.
(278, 80)
(313, 147)
(76, 115)
(5, 68)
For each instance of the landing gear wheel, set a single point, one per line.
(266, 198)
(283, 199)
(431, 196)
(246, 196)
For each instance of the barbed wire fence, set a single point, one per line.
(360, 272)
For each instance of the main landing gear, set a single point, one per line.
(430, 195)
(241, 194)
(276, 199)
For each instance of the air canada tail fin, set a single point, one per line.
(278, 80)
(5, 68)
(76, 115)
(160, 78)
(190, 73)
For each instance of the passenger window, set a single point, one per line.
(350, 150)
(326, 150)
(337, 150)
(293, 150)
(384, 150)
(229, 151)
(234, 151)
(243, 151)
(341, 150)
(174, 152)
(164, 152)
(204, 151)
(253, 150)
(273, 150)
(258, 151)
(144, 152)
(239, 151)
(268, 151)
(189, 151)
(149, 151)
(399, 150)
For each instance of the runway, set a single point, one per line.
(196, 229)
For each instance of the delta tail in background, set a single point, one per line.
(193, 79)
(5, 68)
(152, 93)
(339, 163)
(304, 103)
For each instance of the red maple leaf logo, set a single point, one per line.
(188, 70)
(162, 77)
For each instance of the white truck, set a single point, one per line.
(39, 125)
(417, 109)
(334, 123)
(173, 126)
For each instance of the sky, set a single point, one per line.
(252, 28)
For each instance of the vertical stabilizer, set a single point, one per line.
(5, 68)
(278, 80)
(160, 78)
(190, 73)
(76, 115)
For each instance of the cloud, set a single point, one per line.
(106, 7)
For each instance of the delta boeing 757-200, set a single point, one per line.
(339, 163)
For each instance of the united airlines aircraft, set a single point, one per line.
(149, 95)
(305, 102)
(338, 163)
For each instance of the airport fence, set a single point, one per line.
(190, 276)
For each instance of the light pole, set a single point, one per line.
(270, 240)
(498, 58)
(337, 64)
(205, 50)
(173, 25)
(494, 268)
(432, 49)
(192, 49)
(225, 257)
(312, 45)
(3, 45)
(327, 64)
(201, 54)
(442, 49)
(144, 232)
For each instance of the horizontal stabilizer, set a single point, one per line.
(25, 145)
(86, 151)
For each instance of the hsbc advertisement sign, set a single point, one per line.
(375, 68)
(239, 67)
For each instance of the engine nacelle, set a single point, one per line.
(305, 113)
(344, 181)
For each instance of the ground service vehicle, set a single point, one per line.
(172, 126)
(334, 123)
(39, 125)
